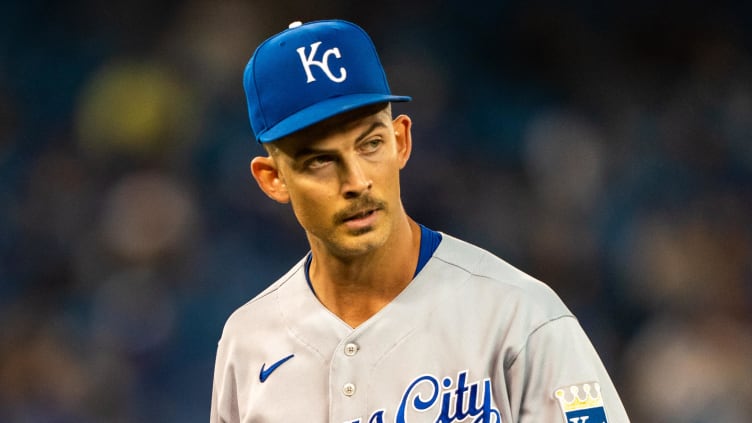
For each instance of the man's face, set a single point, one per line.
(342, 179)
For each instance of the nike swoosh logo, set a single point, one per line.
(266, 372)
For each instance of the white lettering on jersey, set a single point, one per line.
(323, 64)
(453, 403)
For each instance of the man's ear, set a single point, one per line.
(267, 175)
(404, 138)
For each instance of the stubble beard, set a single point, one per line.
(352, 235)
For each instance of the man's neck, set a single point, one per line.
(357, 288)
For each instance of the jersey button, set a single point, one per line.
(348, 389)
(351, 349)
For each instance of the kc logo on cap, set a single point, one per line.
(309, 73)
(323, 64)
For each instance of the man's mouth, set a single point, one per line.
(360, 215)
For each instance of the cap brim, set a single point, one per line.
(322, 111)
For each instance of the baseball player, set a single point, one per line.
(384, 320)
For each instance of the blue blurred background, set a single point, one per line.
(605, 149)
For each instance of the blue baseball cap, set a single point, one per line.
(309, 73)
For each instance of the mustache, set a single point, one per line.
(360, 205)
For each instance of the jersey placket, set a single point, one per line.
(347, 381)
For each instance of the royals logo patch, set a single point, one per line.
(581, 403)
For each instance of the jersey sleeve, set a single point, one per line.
(224, 403)
(558, 377)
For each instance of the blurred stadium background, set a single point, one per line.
(605, 149)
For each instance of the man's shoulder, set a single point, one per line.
(496, 278)
(481, 263)
(261, 307)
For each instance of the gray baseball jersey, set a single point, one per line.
(471, 339)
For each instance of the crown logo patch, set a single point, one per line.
(581, 403)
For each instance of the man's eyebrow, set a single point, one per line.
(307, 151)
(371, 128)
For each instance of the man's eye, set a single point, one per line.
(371, 145)
(318, 162)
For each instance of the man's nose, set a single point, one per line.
(354, 180)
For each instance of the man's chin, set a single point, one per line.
(361, 231)
(360, 242)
